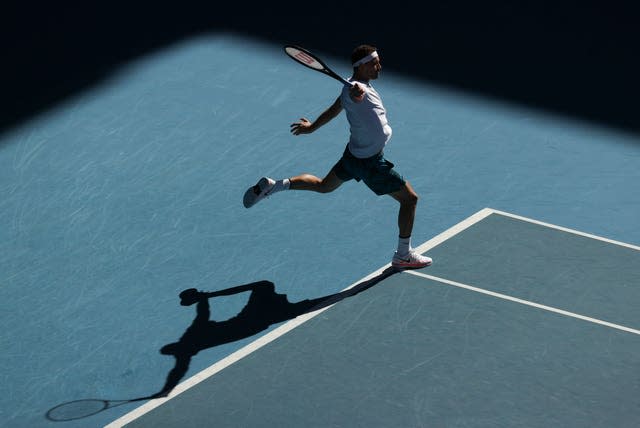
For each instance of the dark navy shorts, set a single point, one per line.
(376, 172)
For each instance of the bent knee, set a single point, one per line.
(409, 196)
(325, 187)
(409, 199)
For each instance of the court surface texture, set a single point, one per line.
(119, 198)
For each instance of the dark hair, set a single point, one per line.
(361, 51)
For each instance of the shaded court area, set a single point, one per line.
(517, 323)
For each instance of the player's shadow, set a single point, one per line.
(264, 308)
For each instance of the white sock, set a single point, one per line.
(281, 185)
(404, 246)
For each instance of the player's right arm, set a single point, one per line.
(304, 126)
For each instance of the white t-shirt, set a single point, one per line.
(370, 130)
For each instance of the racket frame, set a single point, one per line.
(325, 68)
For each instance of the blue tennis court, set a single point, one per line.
(120, 197)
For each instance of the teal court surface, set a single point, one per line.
(517, 324)
(117, 199)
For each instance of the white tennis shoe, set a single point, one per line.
(412, 260)
(261, 190)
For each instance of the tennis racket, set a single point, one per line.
(308, 59)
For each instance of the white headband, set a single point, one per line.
(373, 55)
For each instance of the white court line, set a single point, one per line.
(283, 329)
(524, 302)
(290, 325)
(564, 229)
(449, 233)
(227, 361)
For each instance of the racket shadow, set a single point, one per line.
(264, 308)
(84, 408)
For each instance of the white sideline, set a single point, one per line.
(525, 302)
(290, 325)
(281, 330)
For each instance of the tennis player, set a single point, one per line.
(363, 158)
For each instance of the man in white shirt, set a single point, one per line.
(363, 158)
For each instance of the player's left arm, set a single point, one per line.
(304, 126)
(203, 310)
(240, 289)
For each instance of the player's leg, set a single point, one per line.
(405, 257)
(408, 199)
(379, 175)
(267, 186)
(310, 182)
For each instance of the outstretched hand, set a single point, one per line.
(189, 296)
(303, 126)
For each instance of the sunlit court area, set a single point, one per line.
(137, 290)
